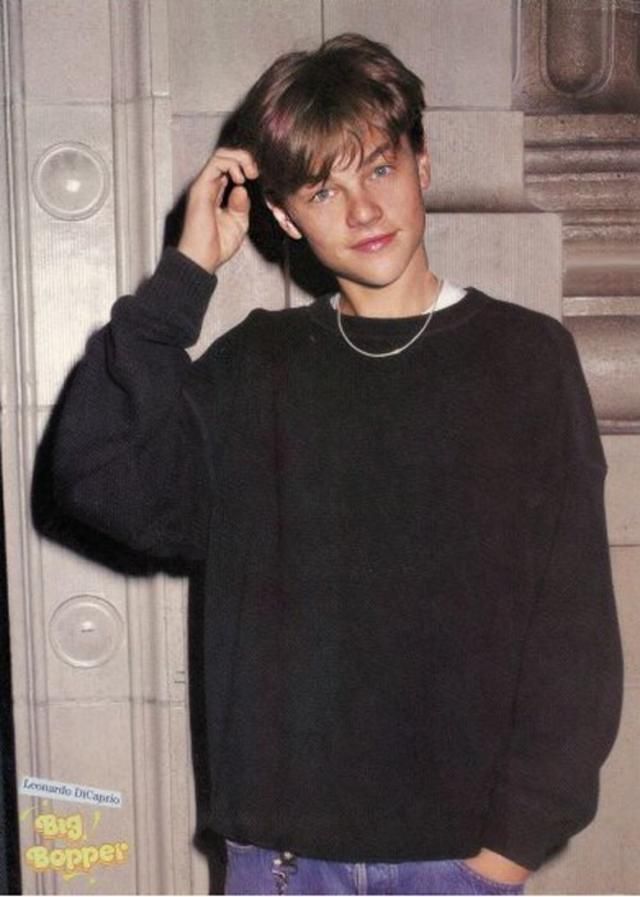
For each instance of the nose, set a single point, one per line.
(362, 209)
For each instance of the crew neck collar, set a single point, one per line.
(323, 313)
(448, 294)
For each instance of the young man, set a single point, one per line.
(412, 656)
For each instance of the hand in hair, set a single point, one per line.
(212, 233)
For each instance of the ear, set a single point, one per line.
(284, 221)
(424, 168)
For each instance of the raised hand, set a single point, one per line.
(212, 234)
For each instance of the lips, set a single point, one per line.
(374, 244)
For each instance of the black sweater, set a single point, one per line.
(411, 641)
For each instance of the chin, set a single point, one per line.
(374, 279)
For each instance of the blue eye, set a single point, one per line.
(381, 171)
(321, 195)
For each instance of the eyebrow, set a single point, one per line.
(377, 151)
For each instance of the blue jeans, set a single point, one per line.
(255, 870)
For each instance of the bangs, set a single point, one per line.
(312, 112)
(309, 149)
(321, 152)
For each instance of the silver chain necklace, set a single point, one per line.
(400, 348)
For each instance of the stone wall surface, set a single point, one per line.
(111, 107)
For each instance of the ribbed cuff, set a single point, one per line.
(170, 305)
(190, 273)
(520, 833)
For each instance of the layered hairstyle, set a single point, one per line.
(312, 110)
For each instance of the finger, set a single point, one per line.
(250, 168)
(243, 157)
(219, 187)
(239, 202)
(238, 164)
(217, 168)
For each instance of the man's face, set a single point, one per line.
(366, 221)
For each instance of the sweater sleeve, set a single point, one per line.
(567, 709)
(130, 445)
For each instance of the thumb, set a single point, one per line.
(239, 202)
